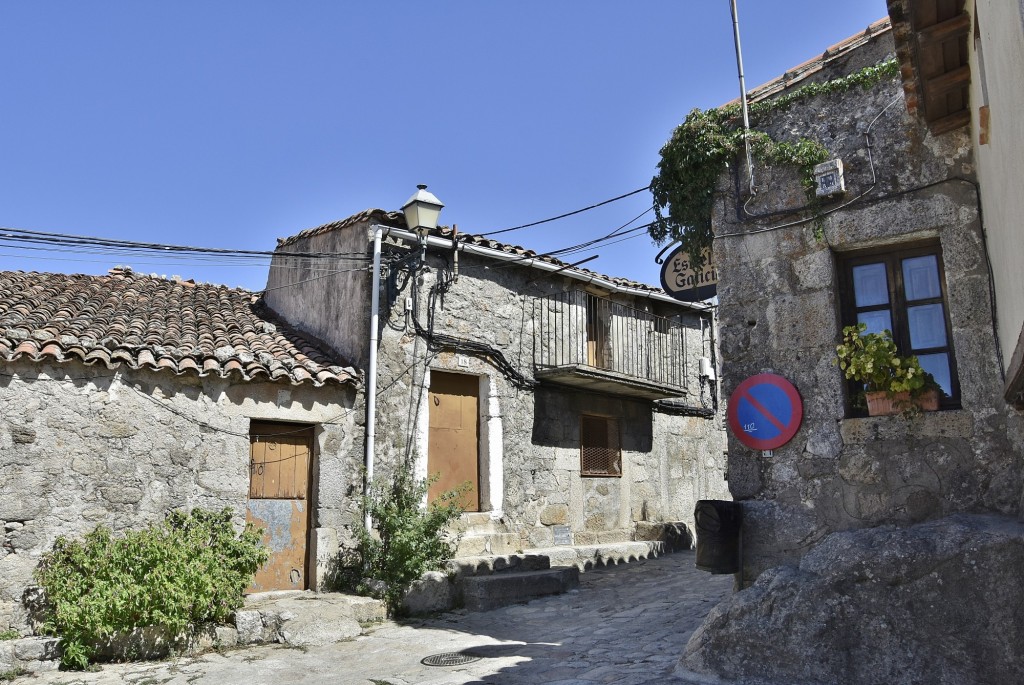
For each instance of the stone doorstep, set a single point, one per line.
(480, 593)
(305, 618)
(486, 544)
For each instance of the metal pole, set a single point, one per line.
(743, 93)
(371, 381)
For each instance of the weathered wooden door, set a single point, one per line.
(279, 463)
(597, 332)
(453, 443)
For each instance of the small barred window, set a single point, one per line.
(600, 454)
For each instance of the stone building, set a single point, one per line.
(570, 401)
(876, 543)
(125, 396)
(911, 202)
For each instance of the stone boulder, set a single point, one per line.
(939, 603)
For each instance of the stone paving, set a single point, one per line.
(624, 624)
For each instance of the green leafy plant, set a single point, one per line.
(872, 359)
(188, 569)
(409, 539)
(707, 141)
(10, 634)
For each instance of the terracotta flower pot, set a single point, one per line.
(881, 403)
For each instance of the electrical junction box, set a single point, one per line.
(829, 176)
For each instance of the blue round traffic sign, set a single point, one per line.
(765, 411)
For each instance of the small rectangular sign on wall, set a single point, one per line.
(563, 535)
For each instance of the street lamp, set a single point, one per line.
(421, 213)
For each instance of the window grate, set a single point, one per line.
(600, 450)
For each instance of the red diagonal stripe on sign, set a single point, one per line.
(761, 408)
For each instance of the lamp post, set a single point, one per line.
(421, 213)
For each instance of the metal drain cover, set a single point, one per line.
(449, 659)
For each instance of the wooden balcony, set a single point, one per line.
(592, 343)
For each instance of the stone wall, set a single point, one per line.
(529, 438)
(84, 446)
(533, 448)
(779, 298)
(309, 289)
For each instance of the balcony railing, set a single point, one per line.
(580, 335)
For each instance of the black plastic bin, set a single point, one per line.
(718, 535)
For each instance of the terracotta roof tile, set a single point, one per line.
(813, 66)
(397, 220)
(147, 322)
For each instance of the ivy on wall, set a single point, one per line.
(703, 145)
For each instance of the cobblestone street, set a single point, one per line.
(625, 624)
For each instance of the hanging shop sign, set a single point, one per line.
(765, 411)
(681, 281)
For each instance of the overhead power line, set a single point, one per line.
(572, 213)
(590, 245)
(19, 236)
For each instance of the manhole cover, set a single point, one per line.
(449, 659)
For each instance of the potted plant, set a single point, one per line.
(891, 383)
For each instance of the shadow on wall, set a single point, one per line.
(556, 419)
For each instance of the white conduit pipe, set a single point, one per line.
(371, 381)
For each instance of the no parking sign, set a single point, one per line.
(765, 411)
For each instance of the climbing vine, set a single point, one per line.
(703, 145)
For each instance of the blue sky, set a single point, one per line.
(229, 124)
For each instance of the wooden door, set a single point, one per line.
(453, 443)
(279, 463)
(597, 332)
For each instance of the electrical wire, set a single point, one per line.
(69, 240)
(819, 215)
(315, 278)
(621, 230)
(262, 265)
(567, 214)
(584, 246)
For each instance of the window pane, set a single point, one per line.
(870, 286)
(927, 326)
(921, 277)
(938, 366)
(876, 321)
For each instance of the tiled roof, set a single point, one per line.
(813, 66)
(147, 322)
(397, 220)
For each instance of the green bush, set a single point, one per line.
(190, 568)
(409, 539)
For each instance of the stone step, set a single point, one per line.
(304, 619)
(485, 544)
(29, 655)
(444, 591)
(586, 557)
(503, 563)
(479, 522)
(480, 593)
